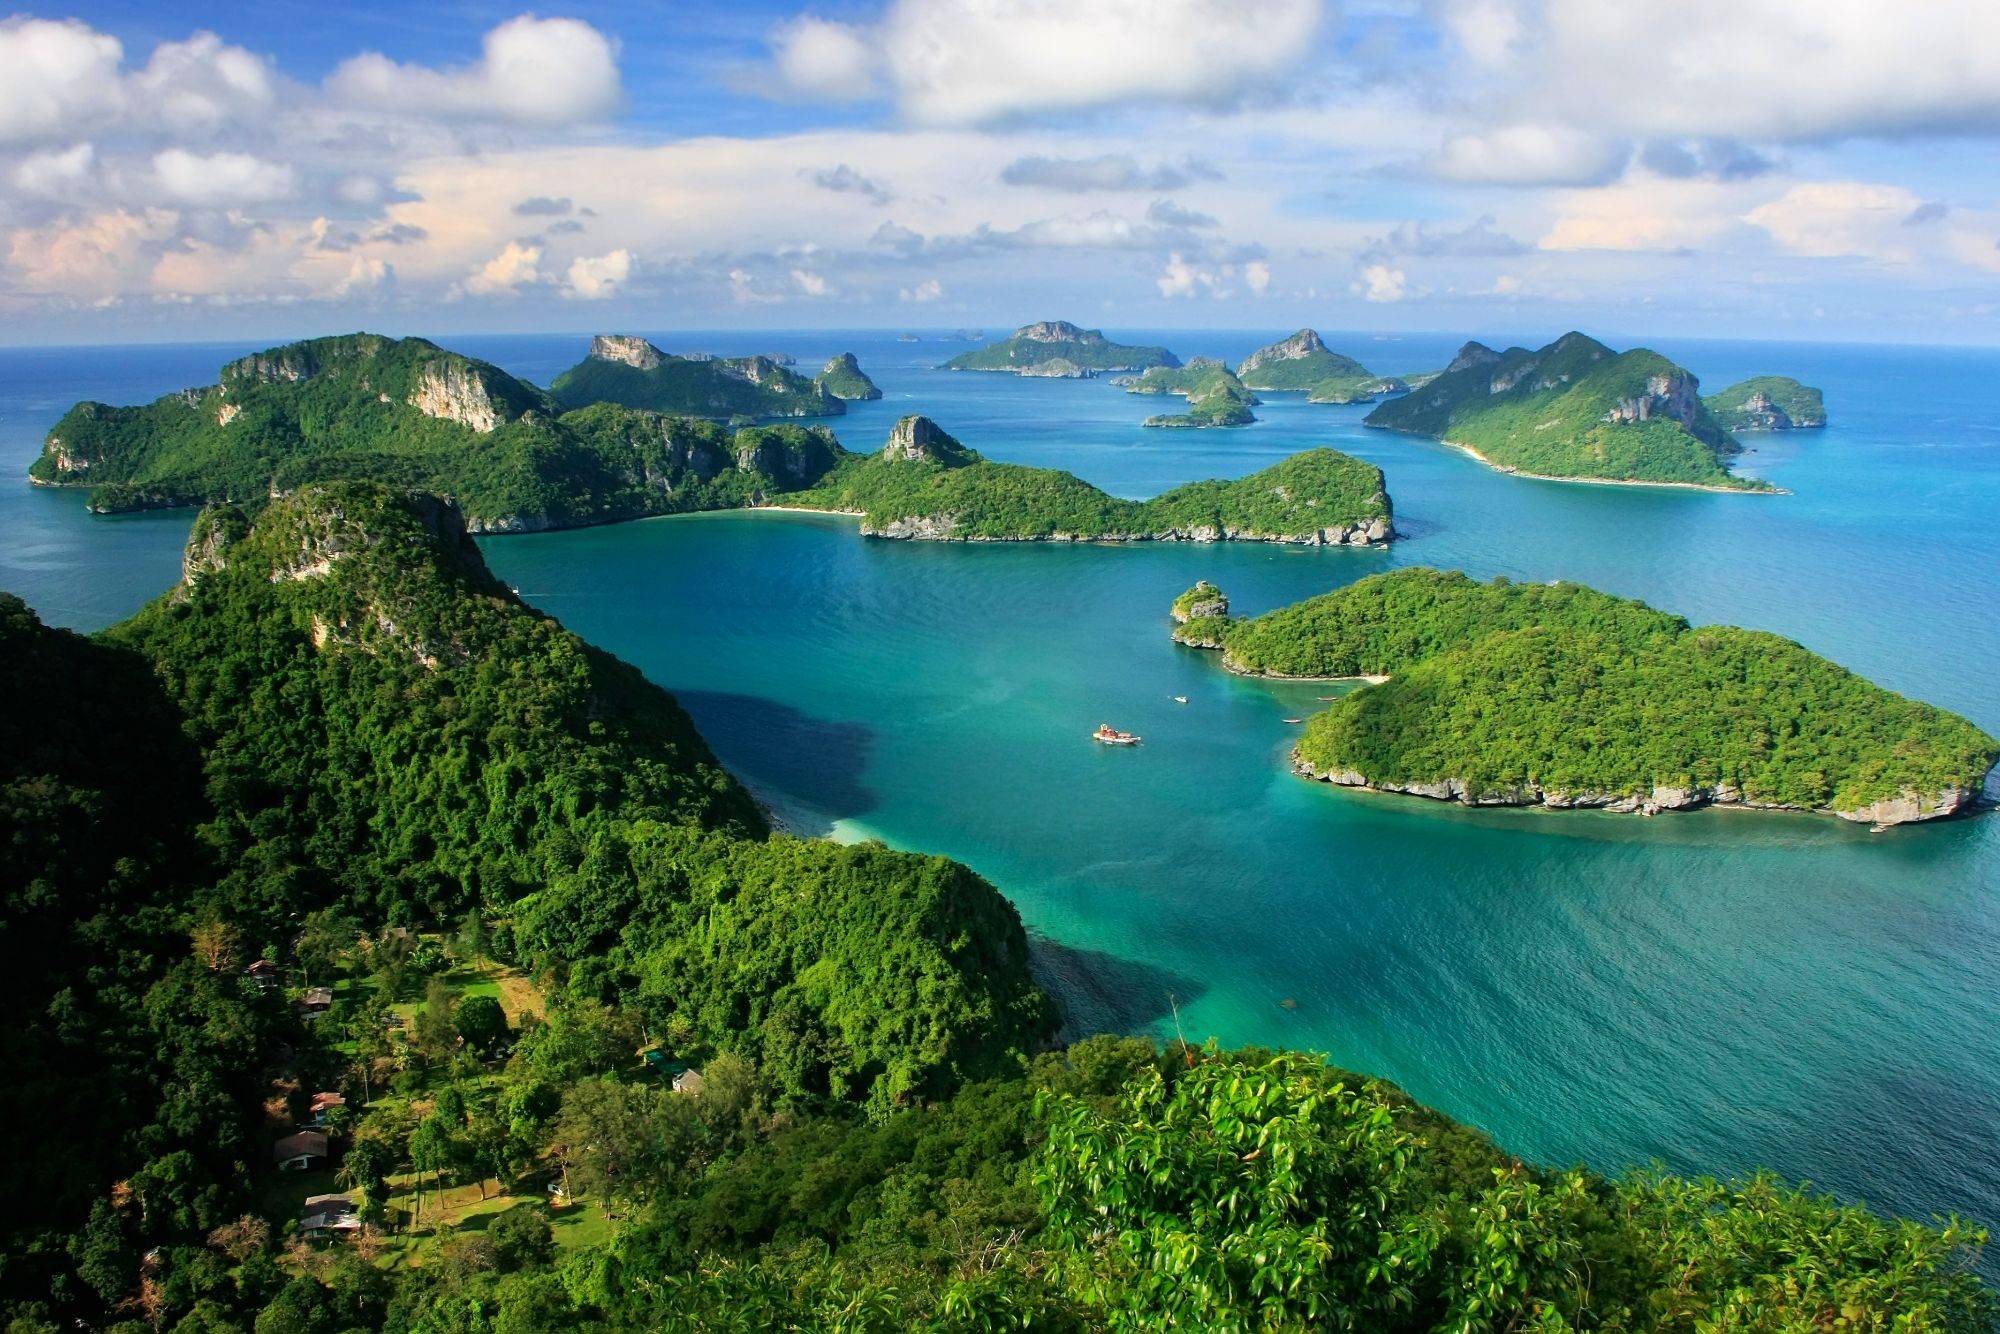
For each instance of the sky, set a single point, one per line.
(1740, 168)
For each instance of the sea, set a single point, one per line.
(1717, 991)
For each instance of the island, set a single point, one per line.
(632, 373)
(845, 380)
(341, 882)
(1086, 352)
(1303, 362)
(1215, 396)
(407, 412)
(926, 484)
(1507, 694)
(1768, 403)
(1573, 411)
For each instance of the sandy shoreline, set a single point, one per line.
(1604, 481)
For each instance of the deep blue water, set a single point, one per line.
(1717, 990)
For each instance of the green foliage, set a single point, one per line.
(1767, 403)
(1215, 397)
(1033, 344)
(481, 1022)
(1573, 409)
(961, 495)
(1509, 688)
(699, 387)
(1301, 362)
(844, 379)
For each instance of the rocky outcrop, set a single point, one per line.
(214, 532)
(917, 439)
(453, 391)
(1057, 331)
(1674, 395)
(1301, 344)
(627, 350)
(1202, 601)
(1909, 808)
(844, 379)
(1057, 368)
(1472, 354)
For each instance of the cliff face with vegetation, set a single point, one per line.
(925, 484)
(1030, 349)
(1768, 403)
(633, 373)
(1487, 684)
(1304, 363)
(1215, 396)
(1573, 410)
(845, 380)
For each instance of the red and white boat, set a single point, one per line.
(1111, 736)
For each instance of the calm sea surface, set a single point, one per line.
(1716, 990)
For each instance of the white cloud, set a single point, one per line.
(1106, 171)
(365, 275)
(812, 284)
(930, 289)
(532, 71)
(743, 290)
(597, 278)
(218, 180)
(968, 62)
(94, 257)
(816, 58)
(1527, 155)
(515, 267)
(1257, 274)
(55, 175)
(55, 77)
(1644, 214)
(1380, 283)
(200, 85)
(1825, 219)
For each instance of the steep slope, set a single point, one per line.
(925, 484)
(1215, 396)
(632, 373)
(1768, 403)
(1558, 695)
(845, 380)
(1034, 345)
(1303, 362)
(1573, 410)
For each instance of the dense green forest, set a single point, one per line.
(632, 373)
(844, 379)
(1767, 403)
(926, 483)
(1034, 345)
(1303, 362)
(535, 903)
(1573, 409)
(1512, 692)
(1215, 396)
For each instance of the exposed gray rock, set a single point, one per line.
(627, 349)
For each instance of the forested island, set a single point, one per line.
(1508, 694)
(632, 373)
(1768, 403)
(1057, 348)
(1215, 396)
(1303, 362)
(409, 413)
(925, 484)
(1573, 411)
(341, 882)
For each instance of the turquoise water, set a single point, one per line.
(1717, 990)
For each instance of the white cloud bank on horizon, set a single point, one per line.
(531, 71)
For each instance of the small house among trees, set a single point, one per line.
(300, 1151)
(328, 1216)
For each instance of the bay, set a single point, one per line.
(1716, 990)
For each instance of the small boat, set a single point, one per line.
(1326, 699)
(1111, 736)
(1294, 720)
(1180, 699)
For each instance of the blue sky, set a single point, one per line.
(1777, 168)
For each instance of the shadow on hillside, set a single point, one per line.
(806, 769)
(1102, 993)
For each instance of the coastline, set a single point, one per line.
(1589, 481)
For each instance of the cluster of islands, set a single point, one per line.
(384, 956)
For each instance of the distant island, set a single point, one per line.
(1574, 411)
(1215, 396)
(1304, 363)
(925, 484)
(1557, 695)
(1768, 403)
(1034, 349)
(845, 380)
(410, 413)
(632, 373)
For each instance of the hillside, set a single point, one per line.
(1574, 410)
(1486, 683)
(925, 484)
(632, 373)
(845, 380)
(1215, 396)
(1033, 345)
(406, 412)
(1304, 363)
(1767, 403)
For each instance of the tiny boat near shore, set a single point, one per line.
(1111, 736)
(1294, 720)
(1180, 699)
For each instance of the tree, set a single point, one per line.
(481, 1022)
(473, 942)
(242, 1239)
(436, 1037)
(217, 944)
(625, 1141)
